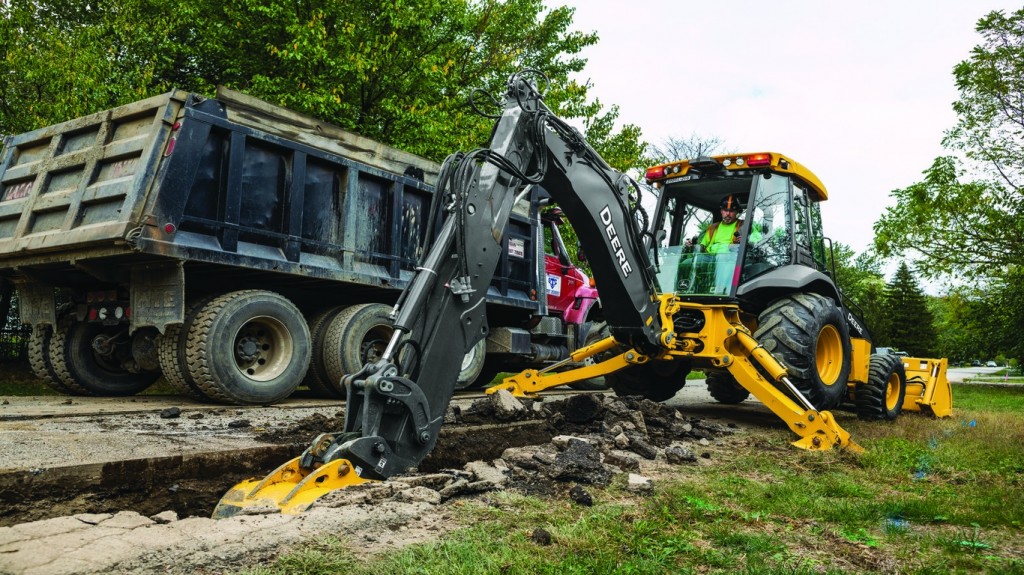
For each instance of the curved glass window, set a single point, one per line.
(700, 246)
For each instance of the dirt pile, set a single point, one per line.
(556, 447)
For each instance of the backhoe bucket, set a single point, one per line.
(928, 389)
(289, 489)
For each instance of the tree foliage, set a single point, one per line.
(911, 325)
(966, 216)
(67, 59)
(399, 71)
(962, 325)
(861, 280)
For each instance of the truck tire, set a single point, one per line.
(39, 359)
(655, 380)
(317, 379)
(881, 397)
(724, 388)
(173, 349)
(808, 334)
(81, 367)
(356, 336)
(598, 331)
(492, 367)
(473, 367)
(248, 347)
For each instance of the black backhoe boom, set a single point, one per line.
(396, 406)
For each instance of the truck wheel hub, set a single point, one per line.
(248, 349)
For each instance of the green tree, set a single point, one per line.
(911, 324)
(403, 72)
(967, 215)
(1003, 316)
(861, 281)
(71, 58)
(984, 323)
(961, 318)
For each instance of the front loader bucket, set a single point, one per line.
(928, 389)
(289, 489)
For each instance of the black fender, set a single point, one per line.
(758, 293)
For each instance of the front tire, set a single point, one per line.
(808, 334)
(598, 331)
(248, 347)
(724, 388)
(881, 397)
(655, 380)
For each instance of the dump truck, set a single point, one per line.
(242, 250)
(758, 313)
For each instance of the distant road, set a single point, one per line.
(957, 374)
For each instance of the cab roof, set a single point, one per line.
(664, 174)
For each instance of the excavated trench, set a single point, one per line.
(191, 485)
(620, 430)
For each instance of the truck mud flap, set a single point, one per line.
(158, 295)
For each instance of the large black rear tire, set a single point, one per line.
(881, 397)
(724, 388)
(172, 348)
(248, 347)
(808, 334)
(655, 380)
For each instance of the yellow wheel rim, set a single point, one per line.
(892, 392)
(829, 355)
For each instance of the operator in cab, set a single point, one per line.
(723, 235)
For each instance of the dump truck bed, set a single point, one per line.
(203, 179)
(226, 183)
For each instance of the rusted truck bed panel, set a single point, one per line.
(84, 181)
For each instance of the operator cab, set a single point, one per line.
(779, 223)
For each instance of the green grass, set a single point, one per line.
(928, 496)
(988, 398)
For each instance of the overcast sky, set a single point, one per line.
(858, 92)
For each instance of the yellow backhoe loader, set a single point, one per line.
(749, 300)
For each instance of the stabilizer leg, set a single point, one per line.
(818, 430)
